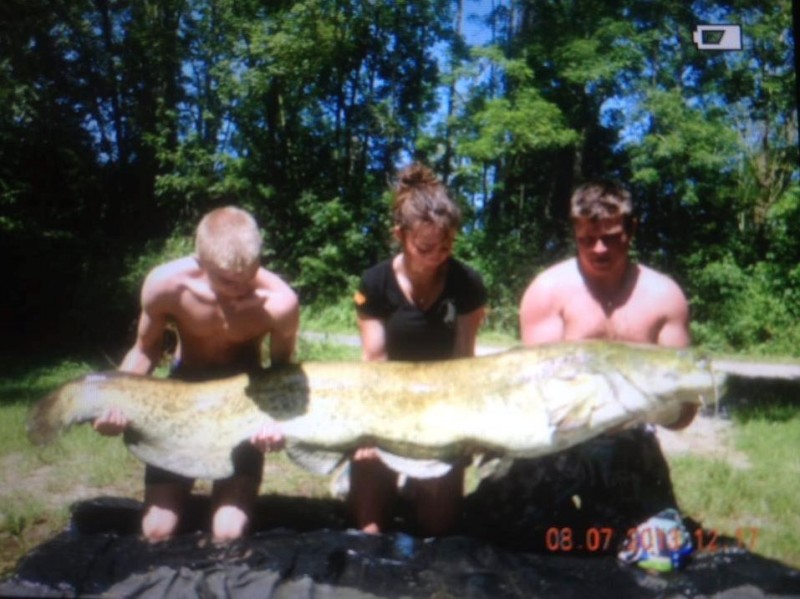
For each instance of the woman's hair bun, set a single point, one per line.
(415, 175)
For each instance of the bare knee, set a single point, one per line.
(229, 523)
(159, 524)
(234, 500)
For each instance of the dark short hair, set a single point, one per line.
(597, 200)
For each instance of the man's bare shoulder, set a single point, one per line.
(548, 289)
(176, 270)
(659, 284)
(170, 278)
(558, 277)
(281, 298)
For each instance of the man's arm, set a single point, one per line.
(540, 318)
(675, 330)
(145, 354)
(284, 311)
(143, 357)
(675, 333)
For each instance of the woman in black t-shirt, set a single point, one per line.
(422, 304)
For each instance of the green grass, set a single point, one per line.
(498, 338)
(308, 351)
(17, 512)
(39, 484)
(336, 317)
(12, 426)
(759, 503)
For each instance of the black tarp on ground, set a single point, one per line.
(313, 555)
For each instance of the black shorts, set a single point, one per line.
(620, 480)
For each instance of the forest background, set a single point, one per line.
(123, 121)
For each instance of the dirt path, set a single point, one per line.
(708, 436)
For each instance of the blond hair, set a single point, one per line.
(600, 200)
(229, 239)
(419, 196)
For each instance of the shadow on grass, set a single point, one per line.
(774, 400)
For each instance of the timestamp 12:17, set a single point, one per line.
(709, 540)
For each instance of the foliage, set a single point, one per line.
(519, 121)
(334, 244)
(153, 253)
(740, 308)
(122, 123)
(333, 317)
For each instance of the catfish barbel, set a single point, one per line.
(524, 402)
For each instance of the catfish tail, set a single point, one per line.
(47, 418)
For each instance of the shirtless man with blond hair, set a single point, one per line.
(223, 304)
(598, 294)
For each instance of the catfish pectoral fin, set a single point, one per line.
(313, 459)
(495, 467)
(412, 467)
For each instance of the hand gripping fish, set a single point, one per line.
(525, 402)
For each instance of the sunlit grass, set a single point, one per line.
(282, 477)
(17, 511)
(310, 350)
(761, 503)
(20, 387)
(38, 484)
(12, 426)
(335, 317)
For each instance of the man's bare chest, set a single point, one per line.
(590, 319)
(224, 322)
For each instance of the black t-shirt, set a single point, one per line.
(413, 334)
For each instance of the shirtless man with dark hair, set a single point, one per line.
(599, 294)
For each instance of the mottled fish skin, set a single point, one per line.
(524, 402)
(187, 428)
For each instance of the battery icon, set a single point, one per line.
(717, 37)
